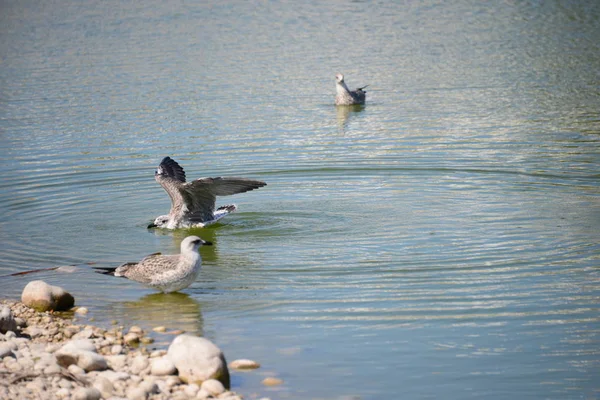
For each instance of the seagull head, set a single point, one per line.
(160, 222)
(193, 243)
(339, 78)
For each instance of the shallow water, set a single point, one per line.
(441, 241)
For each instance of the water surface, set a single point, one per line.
(440, 242)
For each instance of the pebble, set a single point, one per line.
(102, 365)
(162, 366)
(213, 387)
(139, 364)
(244, 364)
(81, 310)
(86, 394)
(159, 329)
(271, 381)
(131, 338)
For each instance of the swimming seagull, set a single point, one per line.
(344, 96)
(193, 203)
(168, 273)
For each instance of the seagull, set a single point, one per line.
(344, 96)
(193, 203)
(169, 273)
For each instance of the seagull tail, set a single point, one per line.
(114, 271)
(105, 270)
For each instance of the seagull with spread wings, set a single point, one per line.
(193, 203)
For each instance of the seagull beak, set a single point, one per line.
(207, 244)
(152, 225)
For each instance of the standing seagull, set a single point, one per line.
(193, 203)
(344, 96)
(165, 273)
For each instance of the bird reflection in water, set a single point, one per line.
(344, 113)
(175, 311)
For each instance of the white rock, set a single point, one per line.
(244, 364)
(81, 311)
(43, 297)
(10, 335)
(75, 370)
(191, 390)
(116, 362)
(198, 359)
(62, 393)
(139, 364)
(162, 366)
(7, 321)
(79, 344)
(104, 385)
(113, 376)
(203, 394)
(116, 349)
(136, 393)
(149, 387)
(213, 386)
(52, 369)
(131, 338)
(86, 394)
(6, 349)
(91, 361)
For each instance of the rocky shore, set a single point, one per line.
(46, 356)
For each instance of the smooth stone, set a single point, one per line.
(139, 364)
(149, 387)
(159, 329)
(131, 338)
(146, 340)
(116, 362)
(116, 349)
(43, 297)
(213, 386)
(136, 329)
(198, 359)
(62, 393)
(158, 353)
(244, 364)
(72, 351)
(203, 394)
(271, 381)
(114, 376)
(104, 385)
(91, 361)
(7, 321)
(52, 369)
(90, 393)
(162, 366)
(136, 393)
(81, 311)
(191, 390)
(10, 335)
(76, 370)
(6, 349)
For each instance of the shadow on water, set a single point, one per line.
(344, 113)
(172, 310)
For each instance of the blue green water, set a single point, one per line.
(441, 242)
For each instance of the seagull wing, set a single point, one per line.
(172, 169)
(200, 195)
(149, 267)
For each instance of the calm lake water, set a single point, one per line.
(442, 241)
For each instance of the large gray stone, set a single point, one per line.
(43, 297)
(7, 321)
(198, 359)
